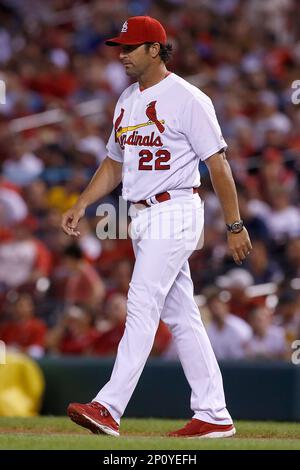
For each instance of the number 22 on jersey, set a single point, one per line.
(161, 157)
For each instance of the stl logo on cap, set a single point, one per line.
(124, 27)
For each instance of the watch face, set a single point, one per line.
(237, 226)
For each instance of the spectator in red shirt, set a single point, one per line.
(84, 285)
(74, 334)
(113, 251)
(25, 258)
(24, 331)
(112, 329)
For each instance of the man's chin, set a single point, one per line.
(130, 72)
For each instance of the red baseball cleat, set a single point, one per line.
(199, 429)
(94, 417)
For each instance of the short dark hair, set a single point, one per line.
(73, 251)
(165, 52)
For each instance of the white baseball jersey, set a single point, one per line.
(160, 134)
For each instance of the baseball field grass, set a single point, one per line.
(148, 434)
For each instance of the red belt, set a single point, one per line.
(161, 197)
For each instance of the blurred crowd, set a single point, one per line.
(58, 296)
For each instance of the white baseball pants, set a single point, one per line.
(161, 287)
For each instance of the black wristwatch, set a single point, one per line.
(235, 227)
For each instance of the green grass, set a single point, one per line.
(148, 434)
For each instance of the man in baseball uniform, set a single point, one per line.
(163, 126)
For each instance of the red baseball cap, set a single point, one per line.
(138, 30)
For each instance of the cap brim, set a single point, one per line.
(119, 41)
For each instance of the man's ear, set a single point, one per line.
(154, 49)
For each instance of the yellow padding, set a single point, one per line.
(21, 386)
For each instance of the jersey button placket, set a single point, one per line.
(130, 153)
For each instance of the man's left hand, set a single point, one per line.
(239, 245)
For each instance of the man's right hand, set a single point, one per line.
(70, 220)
